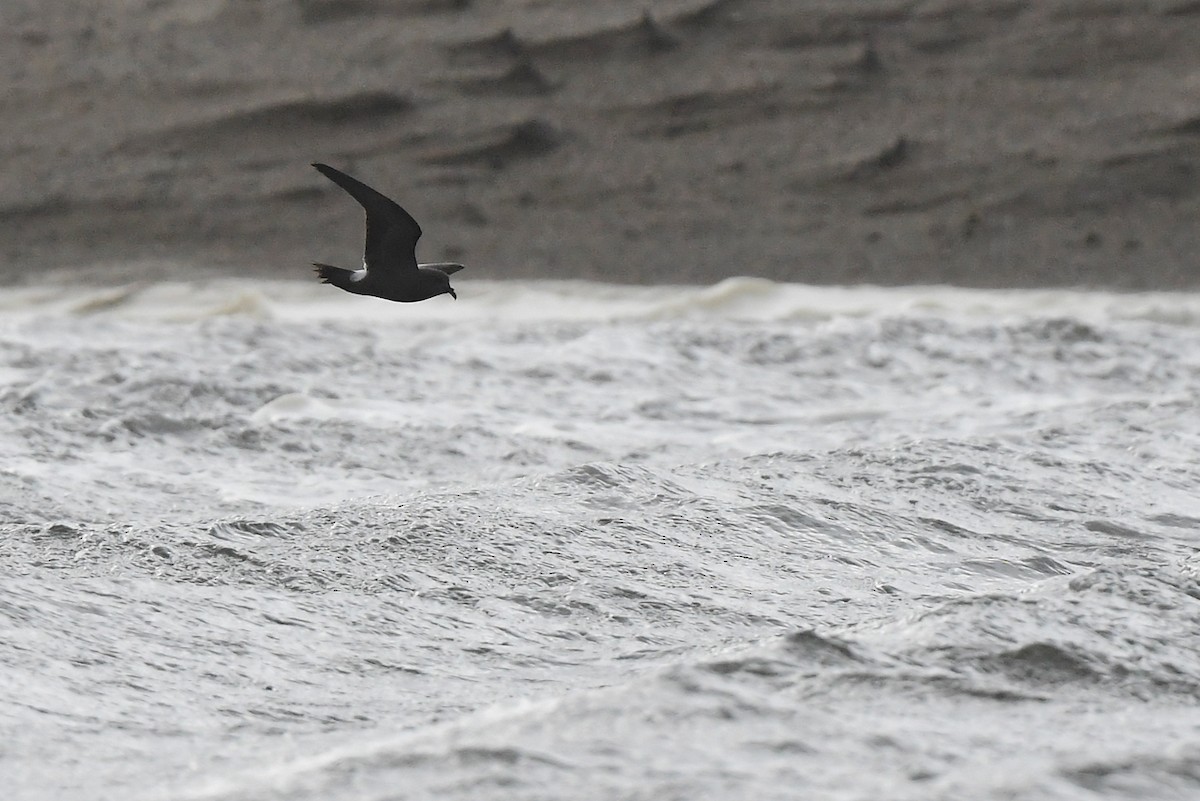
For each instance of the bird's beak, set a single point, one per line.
(453, 294)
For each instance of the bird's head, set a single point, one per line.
(443, 270)
(443, 283)
(434, 281)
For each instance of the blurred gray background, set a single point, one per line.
(982, 143)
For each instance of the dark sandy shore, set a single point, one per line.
(977, 142)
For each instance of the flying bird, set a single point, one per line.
(390, 270)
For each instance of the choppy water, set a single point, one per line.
(270, 541)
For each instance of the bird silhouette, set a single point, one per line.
(390, 270)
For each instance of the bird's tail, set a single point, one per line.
(338, 276)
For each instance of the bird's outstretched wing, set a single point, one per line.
(392, 233)
(448, 267)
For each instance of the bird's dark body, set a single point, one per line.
(429, 282)
(390, 270)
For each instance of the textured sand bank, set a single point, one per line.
(982, 143)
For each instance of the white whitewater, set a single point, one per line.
(557, 539)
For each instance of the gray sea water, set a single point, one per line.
(575, 541)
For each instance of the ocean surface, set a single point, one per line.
(576, 541)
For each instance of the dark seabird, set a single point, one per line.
(390, 270)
